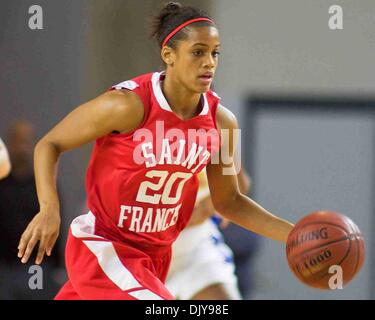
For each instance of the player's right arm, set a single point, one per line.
(120, 111)
(204, 208)
(4, 161)
(225, 193)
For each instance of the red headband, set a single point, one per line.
(169, 36)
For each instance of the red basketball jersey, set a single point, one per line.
(141, 186)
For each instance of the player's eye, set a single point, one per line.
(216, 53)
(198, 53)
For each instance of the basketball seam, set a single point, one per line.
(320, 222)
(347, 252)
(342, 260)
(326, 269)
(322, 245)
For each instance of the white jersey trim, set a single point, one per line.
(111, 264)
(145, 294)
(163, 101)
(129, 84)
(83, 227)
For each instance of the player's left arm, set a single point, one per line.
(4, 161)
(226, 196)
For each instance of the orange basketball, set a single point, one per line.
(321, 245)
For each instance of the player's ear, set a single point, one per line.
(168, 55)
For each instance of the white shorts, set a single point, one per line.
(200, 258)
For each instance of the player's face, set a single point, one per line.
(196, 58)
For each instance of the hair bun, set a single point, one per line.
(173, 6)
(172, 15)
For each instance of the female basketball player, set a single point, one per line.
(4, 161)
(142, 178)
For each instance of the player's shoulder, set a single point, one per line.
(135, 84)
(127, 95)
(122, 108)
(122, 100)
(225, 119)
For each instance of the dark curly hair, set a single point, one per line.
(170, 17)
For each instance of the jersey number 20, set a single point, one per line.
(164, 186)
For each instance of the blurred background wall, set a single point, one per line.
(286, 47)
(269, 47)
(303, 161)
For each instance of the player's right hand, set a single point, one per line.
(44, 228)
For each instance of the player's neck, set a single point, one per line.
(182, 101)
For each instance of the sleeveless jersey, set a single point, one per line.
(142, 185)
